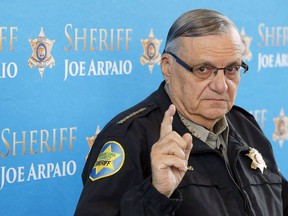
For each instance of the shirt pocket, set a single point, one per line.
(264, 191)
(196, 178)
(255, 177)
(202, 196)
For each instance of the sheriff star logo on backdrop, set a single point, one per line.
(90, 140)
(150, 54)
(247, 55)
(281, 132)
(41, 56)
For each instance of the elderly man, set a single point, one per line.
(144, 163)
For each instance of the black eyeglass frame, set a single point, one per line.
(191, 69)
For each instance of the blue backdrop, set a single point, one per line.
(93, 65)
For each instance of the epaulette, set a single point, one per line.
(119, 125)
(131, 115)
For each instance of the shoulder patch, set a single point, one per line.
(109, 161)
(131, 115)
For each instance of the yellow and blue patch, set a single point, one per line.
(109, 161)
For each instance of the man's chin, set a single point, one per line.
(215, 114)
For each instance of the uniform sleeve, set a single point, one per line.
(127, 192)
(146, 200)
(117, 174)
(285, 196)
(107, 198)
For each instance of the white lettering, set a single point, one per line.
(57, 171)
(32, 173)
(9, 70)
(71, 167)
(11, 175)
(259, 116)
(272, 60)
(100, 68)
(14, 175)
(41, 171)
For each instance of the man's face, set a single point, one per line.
(203, 101)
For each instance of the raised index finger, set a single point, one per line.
(166, 125)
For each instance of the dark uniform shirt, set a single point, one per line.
(117, 174)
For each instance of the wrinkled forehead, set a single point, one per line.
(224, 40)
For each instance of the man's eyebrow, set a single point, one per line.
(209, 63)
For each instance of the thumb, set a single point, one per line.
(166, 125)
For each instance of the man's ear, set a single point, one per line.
(166, 66)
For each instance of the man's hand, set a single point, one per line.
(169, 156)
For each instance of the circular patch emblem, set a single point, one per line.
(41, 51)
(109, 161)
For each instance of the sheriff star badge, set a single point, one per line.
(257, 160)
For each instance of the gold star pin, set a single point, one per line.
(257, 160)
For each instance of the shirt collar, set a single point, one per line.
(220, 128)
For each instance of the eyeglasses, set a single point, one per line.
(209, 71)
